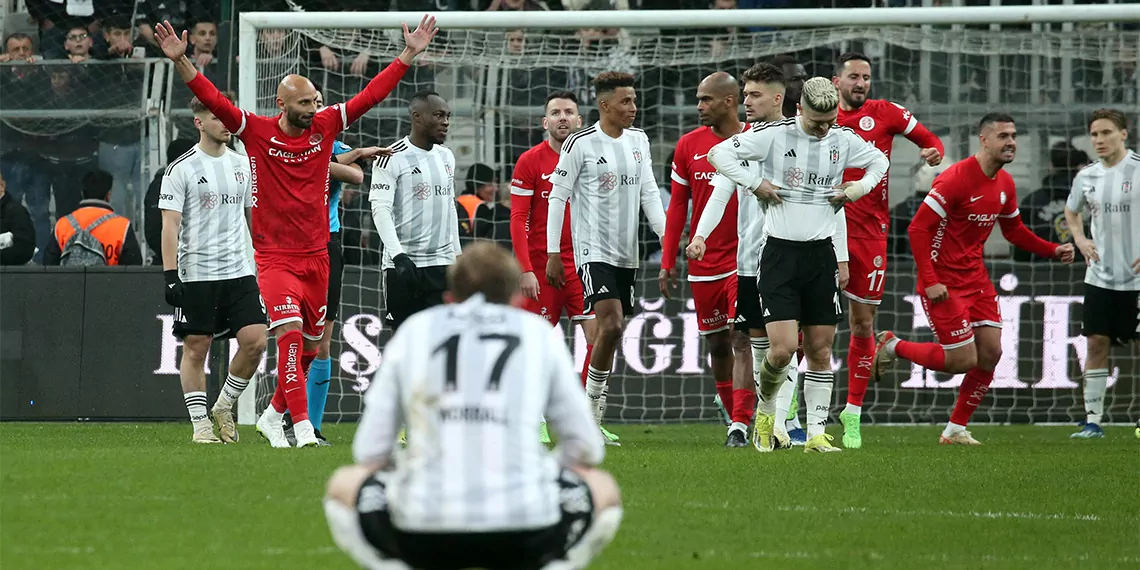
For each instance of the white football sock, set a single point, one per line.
(196, 405)
(771, 378)
(596, 381)
(1096, 384)
(787, 390)
(951, 429)
(853, 409)
(817, 397)
(759, 351)
(232, 390)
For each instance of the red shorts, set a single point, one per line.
(553, 302)
(295, 289)
(868, 266)
(954, 320)
(715, 303)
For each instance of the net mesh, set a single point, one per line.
(1048, 76)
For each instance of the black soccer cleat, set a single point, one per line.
(736, 438)
(321, 441)
(291, 437)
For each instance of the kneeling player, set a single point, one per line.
(473, 380)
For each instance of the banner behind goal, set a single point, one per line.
(1049, 75)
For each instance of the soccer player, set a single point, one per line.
(531, 178)
(947, 236)
(877, 121)
(289, 156)
(606, 172)
(474, 488)
(1109, 188)
(794, 76)
(801, 162)
(413, 206)
(205, 200)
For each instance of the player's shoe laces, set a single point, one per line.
(272, 431)
(960, 437)
(737, 436)
(321, 441)
(852, 437)
(884, 354)
(543, 433)
(204, 433)
(724, 416)
(799, 437)
(762, 432)
(821, 444)
(780, 434)
(1089, 431)
(227, 428)
(306, 435)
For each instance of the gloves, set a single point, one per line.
(6, 240)
(405, 268)
(174, 288)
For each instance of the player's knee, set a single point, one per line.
(1098, 349)
(820, 359)
(323, 349)
(345, 484)
(720, 345)
(195, 348)
(780, 355)
(609, 327)
(603, 487)
(741, 344)
(861, 325)
(962, 359)
(252, 345)
(988, 357)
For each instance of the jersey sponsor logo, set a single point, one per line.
(203, 180)
(975, 198)
(316, 138)
(166, 196)
(608, 180)
(210, 200)
(380, 186)
(866, 123)
(834, 154)
(936, 243)
(291, 358)
(275, 141)
(790, 154)
(699, 156)
(637, 155)
(423, 190)
(1113, 208)
(416, 170)
(983, 220)
(547, 176)
(290, 157)
(561, 172)
(703, 175)
(602, 160)
(794, 177)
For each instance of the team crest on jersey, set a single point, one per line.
(834, 154)
(316, 138)
(608, 180)
(1003, 198)
(1126, 187)
(794, 177)
(637, 155)
(447, 167)
(866, 123)
(421, 191)
(210, 200)
(239, 176)
(878, 261)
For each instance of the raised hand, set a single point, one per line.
(417, 41)
(171, 44)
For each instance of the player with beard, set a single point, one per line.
(877, 121)
(947, 236)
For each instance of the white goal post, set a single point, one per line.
(1047, 64)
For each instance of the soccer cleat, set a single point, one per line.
(321, 441)
(762, 432)
(306, 435)
(1089, 431)
(780, 433)
(403, 437)
(204, 433)
(272, 431)
(543, 433)
(821, 444)
(852, 437)
(882, 359)
(1137, 429)
(799, 437)
(287, 427)
(227, 428)
(960, 437)
(737, 436)
(611, 438)
(724, 416)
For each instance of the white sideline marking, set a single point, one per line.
(834, 554)
(919, 513)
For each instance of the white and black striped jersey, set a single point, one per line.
(471, 382)
(213, 195)
(413, 204)
(609, 182)
(805, 168)
(1112, 195)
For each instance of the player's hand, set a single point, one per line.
(937, 293)
(1065, 253)
(528, 283)
(329, 59)
(405, 268)
(1088, 249)
(359, 65)
(931, 156)
(696, 249)
(172, 45)
(844, 275)
(375, 151)
(417, 41)
(667, 279)
(555, 272)
(1136, 265)
(766, 192)
(174, 288)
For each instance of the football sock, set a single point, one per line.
(970, 395)
(860, 352)
(317, 382)
(196, 405)
(586, 363)
(232, 390)
(759, 351)
(1096, 381)
(770, 380)
(952, 428)
(929, 355)
(817, 396)
(787, 390)
(743, 405)
(291, 375)
(726, 393)
(596, 381)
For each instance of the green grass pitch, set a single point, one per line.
(116, 496)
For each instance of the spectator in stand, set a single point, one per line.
(898, 244)
(493, 217)
(18, 48)
(17, 235)
(152, 227)
(478, 188)
(203, 41)
(119, 145)
(78, 44)
(118, 39)
(514, 5)
(114, 233)
(1043, 211)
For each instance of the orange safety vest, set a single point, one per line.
(111, 233)
(470, 202)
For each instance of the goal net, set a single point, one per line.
(1050, 76)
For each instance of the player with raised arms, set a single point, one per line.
(289, 156)
(474, 488)
(205, 199)
(606, 172)
(801, 164)
(531, 179)
(1109, 188)
(878, 121)
(947, 236)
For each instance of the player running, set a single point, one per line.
(947, 237)
(877, 121)
(1109, 188)
(288, 157)
(606, 172)
(531, 177)
(800, 276)
(205, 200)
(474, 489)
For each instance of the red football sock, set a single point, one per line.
(970, 395)
(929, 355)
(291, 374)
(278, 401)
(586, 364)
(743, 405)
(724, 390)
(859, 355)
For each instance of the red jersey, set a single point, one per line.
(877, 122)
(692, 178)
(289, 176)
(531, 178)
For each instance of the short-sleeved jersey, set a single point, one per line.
(1112, 196)
(212, 194)
(531, 177)
(877, 122)
(335, 186)
(416, 188)
(969, 203)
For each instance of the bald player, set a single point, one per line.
(289, 171)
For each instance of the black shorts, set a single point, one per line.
(602, 281)
(402, 300)
(336, 275)
(1115, 314)
(492, 550)
(799, 281)
(219, 308)
(749, 311)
